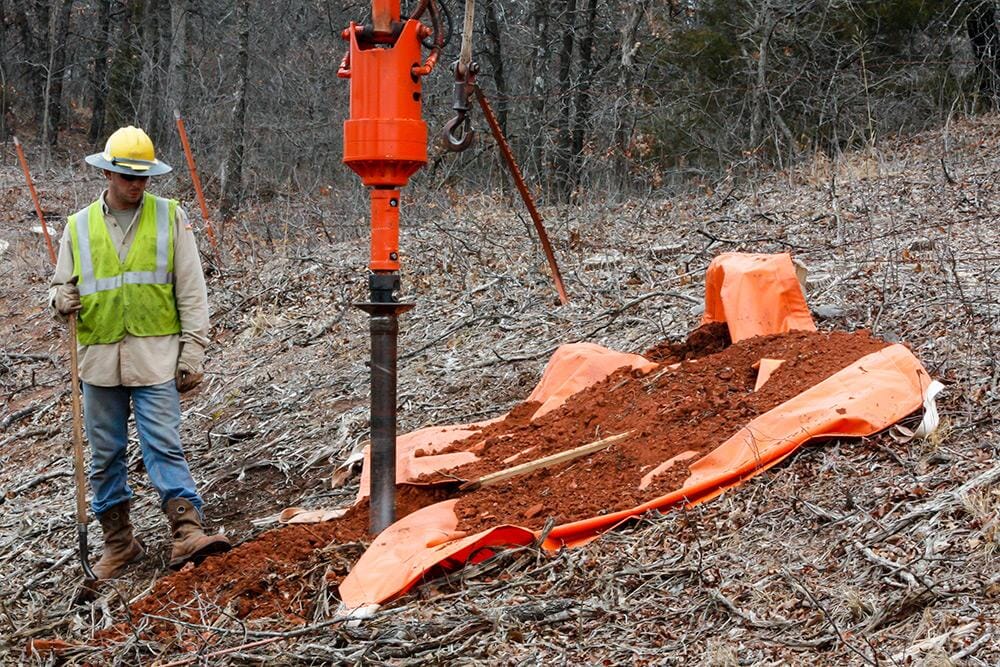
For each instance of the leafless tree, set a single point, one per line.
(232, 193)
(596, 96)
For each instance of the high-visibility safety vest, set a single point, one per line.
(134, 297)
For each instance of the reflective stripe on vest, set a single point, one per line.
(132, 297)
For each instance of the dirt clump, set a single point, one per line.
(273, 575)
(706, 339)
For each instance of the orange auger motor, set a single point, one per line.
(385, 142)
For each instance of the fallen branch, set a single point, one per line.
(274, 637)
(18, 414)
(939, 504)
(27, 486)
(937, 642)
(27, 356)
(545, 462)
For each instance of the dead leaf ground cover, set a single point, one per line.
(855, 552)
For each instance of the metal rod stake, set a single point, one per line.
(383, 323)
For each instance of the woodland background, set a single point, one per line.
(859, 135)
(597, 96)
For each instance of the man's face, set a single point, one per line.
(125, 191)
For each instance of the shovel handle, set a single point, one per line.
(81, 482)
(81, 500)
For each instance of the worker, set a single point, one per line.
(129, 269)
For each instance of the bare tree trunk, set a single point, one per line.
(155, 33)
(981, 25)
(57, 61)
(177, 60)
(565, 95)
(495, 54)
(535, 124)
(233, 191)
(583, 93)
(5, 127)
(125, 73)
(624, 115)
(99, 75)
(34, 47)
(758, 102)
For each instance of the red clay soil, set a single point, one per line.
(695, 406)
(706, 339)
(275, 575)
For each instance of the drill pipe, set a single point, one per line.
(383, 324)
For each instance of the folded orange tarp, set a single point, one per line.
(755, 295)
(417, 543)
(864, 398)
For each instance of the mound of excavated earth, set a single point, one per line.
(701, 393)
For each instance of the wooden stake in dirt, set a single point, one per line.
(34, 198)
(196, 182)
(545, 462)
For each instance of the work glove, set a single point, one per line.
(189, 369)
(67, 298)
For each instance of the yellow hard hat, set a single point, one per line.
(130, 151)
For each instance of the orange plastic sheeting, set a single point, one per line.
(862, 399)
(764, 369)
(572, 368)
(755, 295)
(871, 394)
(575, 367)
(427, 539)
(426, 441)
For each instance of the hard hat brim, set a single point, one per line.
(155, 168)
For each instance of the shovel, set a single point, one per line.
(81, 484)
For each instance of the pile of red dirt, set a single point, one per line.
(274, 575)
(690, 406)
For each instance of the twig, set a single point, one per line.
(829, 619)
(28, 356)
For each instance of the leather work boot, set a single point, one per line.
(120, 546)
(191, 544)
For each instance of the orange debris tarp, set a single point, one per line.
(864, 398)
(755, 295)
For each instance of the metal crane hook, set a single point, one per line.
(458, 134)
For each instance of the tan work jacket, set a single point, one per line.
(142, 361)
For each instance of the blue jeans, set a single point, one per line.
(157, 419)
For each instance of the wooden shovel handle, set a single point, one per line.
(81, 494)
(544, 462)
